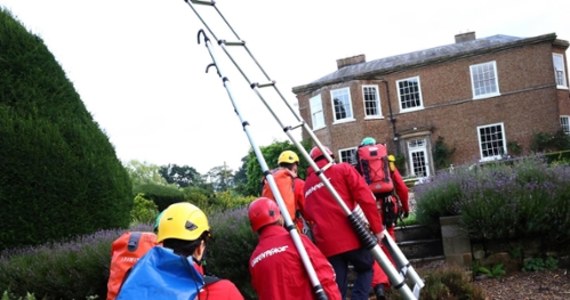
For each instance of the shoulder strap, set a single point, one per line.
(133, 243)
(211, 279)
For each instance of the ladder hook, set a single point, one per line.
(206, 39)
(213, 65)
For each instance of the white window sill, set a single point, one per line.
(374, 118)
(343, 121)
(480, 97)
(403, 111)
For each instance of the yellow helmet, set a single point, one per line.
(183, 221)
(289, 157)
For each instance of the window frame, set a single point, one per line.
(472, 69)
(349, 113)
(565, 127)
(317, 123)
(419, 94)
(352, 155)
(503, 141)
(559, 56)
(377, 102)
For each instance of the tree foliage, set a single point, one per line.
(183, 176)
(221, 178)
(142, 173)
(270, 155)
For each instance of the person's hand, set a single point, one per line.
(380, 236)
(406, 214)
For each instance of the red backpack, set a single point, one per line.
(125, 252)
(372, 163)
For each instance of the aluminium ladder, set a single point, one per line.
(398, 276)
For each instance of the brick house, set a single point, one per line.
(484, 97)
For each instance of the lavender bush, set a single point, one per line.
(232, 244)
(503, 200)
(77, 269)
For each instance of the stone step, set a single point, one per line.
(415, 232)
(418, 241)
(417, 249)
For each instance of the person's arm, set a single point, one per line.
(401, 190)
(299, 195)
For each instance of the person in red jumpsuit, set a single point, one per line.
(331, 228)
(276, 269)
(380, 281)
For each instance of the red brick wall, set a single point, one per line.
(529, 103)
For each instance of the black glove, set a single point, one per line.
(406, 214)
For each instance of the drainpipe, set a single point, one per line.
(392, 119)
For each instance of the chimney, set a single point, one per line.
(353, 60)
(465, 37)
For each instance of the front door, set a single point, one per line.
(418, 158)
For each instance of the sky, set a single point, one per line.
(141, 73)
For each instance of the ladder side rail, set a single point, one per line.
(246, 48)
(222, 43)
(293, 232)
(407, 268)
(359, 223)
(396, 279)
(352, 217)
(209, 3)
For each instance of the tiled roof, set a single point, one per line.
(393, 63)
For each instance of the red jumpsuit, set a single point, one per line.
(332, 230)
(401, 189)
(277, 271)
(222, 289)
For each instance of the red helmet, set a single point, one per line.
(317, 154)
(263, 211)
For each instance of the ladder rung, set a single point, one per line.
(262, 85)
(226, 43)
(295, 126)
(201, 2)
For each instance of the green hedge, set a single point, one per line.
(59, 175)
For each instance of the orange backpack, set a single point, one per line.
(286, 185)
(125, 252)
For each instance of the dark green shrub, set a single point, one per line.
(494, 271)
(548, 142)
(198, 196)
(537, 264)
(59, 175)
(442, 154)
(144, 210)
(161, 195)
(228, 200)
